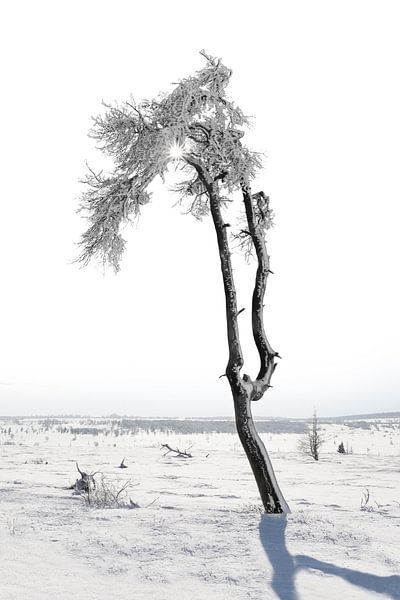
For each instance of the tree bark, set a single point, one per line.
(244, 390)
(270, 493)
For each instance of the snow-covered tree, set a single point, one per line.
(312, 440)
(199, 128)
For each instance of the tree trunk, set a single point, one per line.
(270, 493)
(244, 390)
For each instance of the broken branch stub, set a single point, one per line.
(86, 483)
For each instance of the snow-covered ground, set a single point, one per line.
(199, 532)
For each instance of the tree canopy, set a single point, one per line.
(196, 124)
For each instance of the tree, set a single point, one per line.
(197, 128)
(342, 450)
(312, 440)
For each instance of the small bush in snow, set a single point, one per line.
(105, 494)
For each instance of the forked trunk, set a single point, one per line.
(271, 496)
(244, 390)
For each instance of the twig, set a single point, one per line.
(152, 502)
(126, 484)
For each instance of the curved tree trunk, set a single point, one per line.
(244, 390)
(270, 493)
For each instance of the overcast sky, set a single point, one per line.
(322, 82)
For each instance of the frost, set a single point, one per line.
(196, 121)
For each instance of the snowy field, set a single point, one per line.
(198, 531)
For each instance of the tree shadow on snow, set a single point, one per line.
(272, 535)
(285, 566)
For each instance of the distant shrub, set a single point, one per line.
(312, 441)
(358, 424)
(85, 430)
(13, 526)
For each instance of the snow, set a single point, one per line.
(199, 531)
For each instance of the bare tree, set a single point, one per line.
(197, 128)
(312, 440)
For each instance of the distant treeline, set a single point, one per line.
(382, 415)
(105, 419)
(197, 426)
(133, 426)
(191, 426)
(122, 425)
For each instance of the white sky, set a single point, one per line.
(322, 81)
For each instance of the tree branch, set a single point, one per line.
(178, 453)
(265, 351)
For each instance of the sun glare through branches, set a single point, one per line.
(176, 151)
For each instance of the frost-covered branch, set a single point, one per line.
(197, 117)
